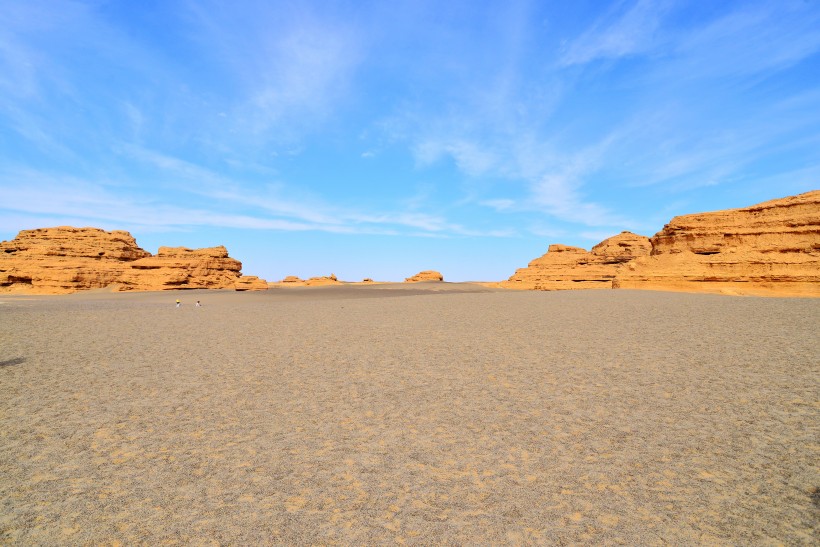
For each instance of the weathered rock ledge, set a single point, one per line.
(66, 259)
(771, 248)
(567, 268)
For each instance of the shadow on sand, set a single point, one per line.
(12, 362)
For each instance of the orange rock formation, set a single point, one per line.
(251, 283)
(769, 248)
(426, 275)
(66, 259)
(327, 280)
(565, 267)
(182, 268)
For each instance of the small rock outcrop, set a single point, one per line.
(566, 268)
(426, 275)
(326, 280)
(67, 259)
(292, 280)
(251, 283)
(768, 248)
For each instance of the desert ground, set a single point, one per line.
(423, 414)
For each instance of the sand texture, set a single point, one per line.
(422, 414)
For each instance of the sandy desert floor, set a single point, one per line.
(423, 414)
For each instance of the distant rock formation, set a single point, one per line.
(327, 280)
(67, 259)
(426, 275)
(251, 283)
(565, 268)
(367, 280)
(769, 248)
(292, 280)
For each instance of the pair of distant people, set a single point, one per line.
(179, 303)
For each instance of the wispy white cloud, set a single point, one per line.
(501, 204)
(619, 33)
(291, 66)
(755, 38)
(469, 157)
(67, 199)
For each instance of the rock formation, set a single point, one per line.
(426, 275)
(292, 280)
(182, 268)
(251, 283)
(565, 267)
(66, 259)
(327, 280)
(769, 248)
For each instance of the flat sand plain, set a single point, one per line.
(422, 414)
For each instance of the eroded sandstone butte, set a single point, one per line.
(67, 259)
(564, 267)
(426, 275)
(768, 248)
(182, 268)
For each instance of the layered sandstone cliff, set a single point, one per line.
(564, 267)
(769, 248)
(66, 259)
(426, 275)
(182, 268)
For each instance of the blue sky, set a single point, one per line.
(377, 139)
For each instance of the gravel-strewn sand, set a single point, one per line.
(420, 414)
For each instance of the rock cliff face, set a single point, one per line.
(182, 268)
(769, 248)
(565, 268)
(66, 259)
(426, 275)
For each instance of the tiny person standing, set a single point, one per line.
(178, 302)
(198, 305)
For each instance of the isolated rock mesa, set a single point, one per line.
(772, 248)
(565, 268)
(426, 275)
(67, 259)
